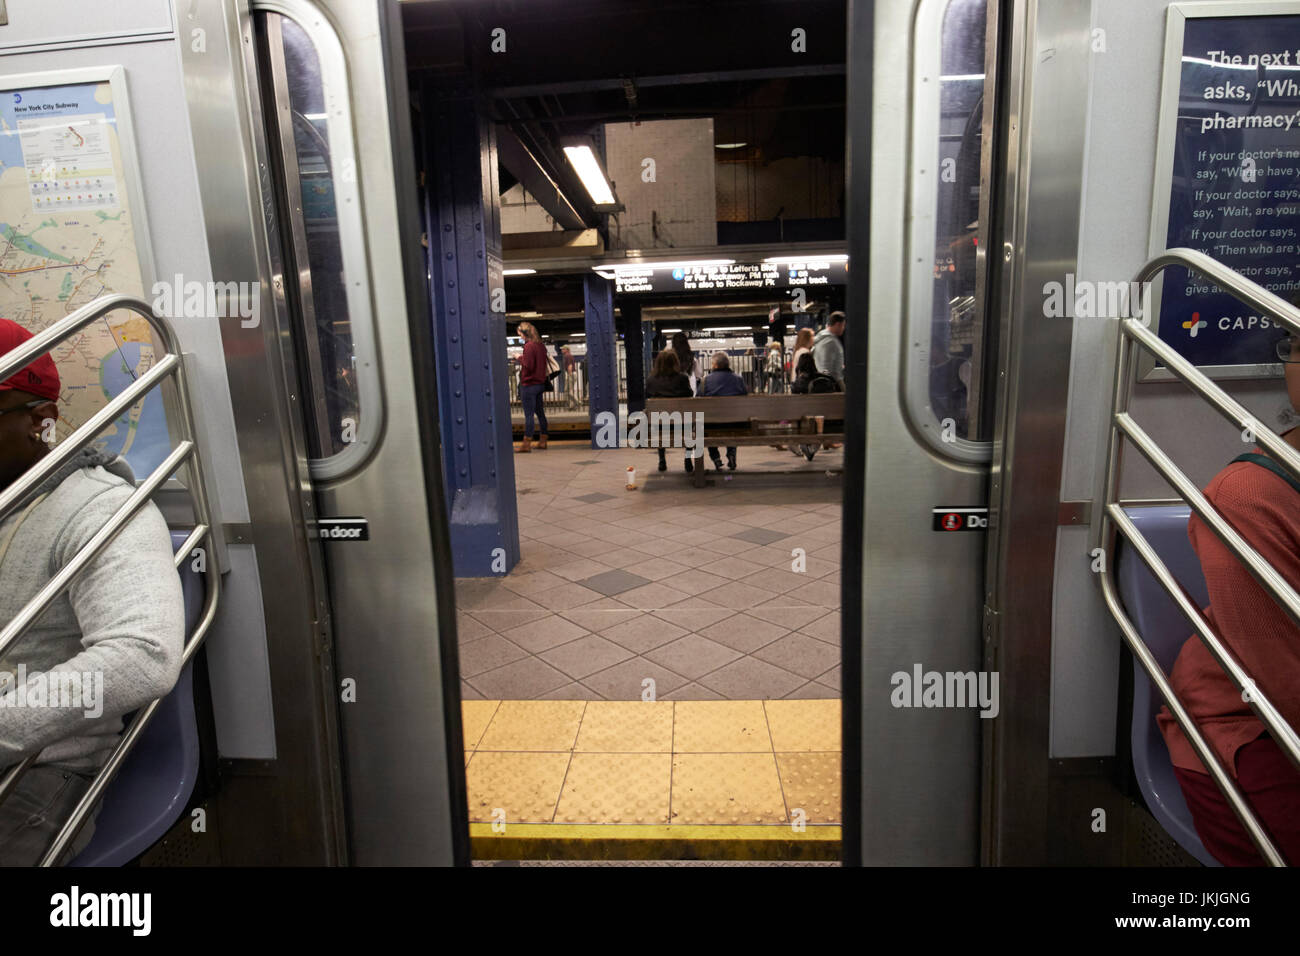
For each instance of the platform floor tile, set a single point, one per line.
(715, 766)
(533, 725)
(514, 787)
(808, 725)
(624, 726)
(720, 726)
(811, 782)
(730, 789)
(616, 788)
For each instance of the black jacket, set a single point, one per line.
(673, 386)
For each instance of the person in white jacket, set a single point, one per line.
(110, 644)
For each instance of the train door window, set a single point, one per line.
(946, 287)
(325, 275)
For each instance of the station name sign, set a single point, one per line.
(808, 274)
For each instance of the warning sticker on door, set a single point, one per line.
(340, 529)
(960, 519)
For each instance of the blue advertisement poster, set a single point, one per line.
(1235, 184)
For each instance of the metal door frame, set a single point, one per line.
(1047, 107)
(909, 595)
(292, 804)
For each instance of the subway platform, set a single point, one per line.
(669, 592)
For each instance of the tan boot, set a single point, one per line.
(525, 445)
(541, 442)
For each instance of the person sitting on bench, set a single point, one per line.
(667, 381)
(722, 381)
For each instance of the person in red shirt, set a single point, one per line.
(1262, 502)
(532, 383)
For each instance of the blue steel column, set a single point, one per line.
(464, 225)
(602, 348)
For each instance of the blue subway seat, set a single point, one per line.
(154, 784)
(1165, 630)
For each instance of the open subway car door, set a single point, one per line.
(937, 196)
(300, 121)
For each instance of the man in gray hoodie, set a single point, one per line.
(828, 350)
(110, 644)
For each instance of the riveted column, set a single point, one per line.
(602, 349)
(464, 228)
(630, 313)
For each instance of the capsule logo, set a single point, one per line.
(960, 519)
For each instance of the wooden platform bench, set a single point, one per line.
(728, 420)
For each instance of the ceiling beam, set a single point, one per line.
(525, 167)
(678, 79)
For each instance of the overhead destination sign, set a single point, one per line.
(738, 275)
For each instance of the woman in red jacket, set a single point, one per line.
(1262, 502)
(532, 382)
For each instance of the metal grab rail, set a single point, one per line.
(1135, 335)
(186, 453)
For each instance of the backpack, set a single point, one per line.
(821, 384)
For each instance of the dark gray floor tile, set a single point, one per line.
(614, 582)
(761, 535)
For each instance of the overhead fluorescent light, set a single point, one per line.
(808, 258)
(583, 161)
(669, 331)
(648, 266)
(959, 77)
(518, 272)
(733, 328)
(729, 145)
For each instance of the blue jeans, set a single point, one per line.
(531, 396)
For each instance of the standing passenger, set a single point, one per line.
(686, 360)
(802, 344)
(775, 368)
(828, 349)
(532, 382)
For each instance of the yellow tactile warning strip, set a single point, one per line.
(746, 779)
(526, 841)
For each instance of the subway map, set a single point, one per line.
(67, 238)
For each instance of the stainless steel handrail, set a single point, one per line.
(186, 453)
(1134, 335)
